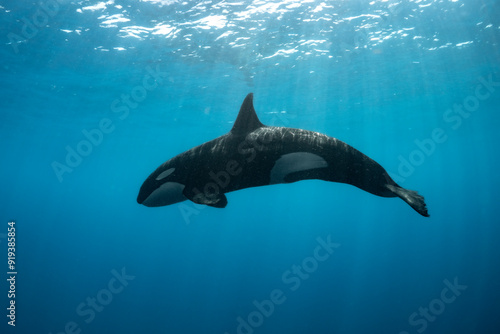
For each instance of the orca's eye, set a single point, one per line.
(165, 174)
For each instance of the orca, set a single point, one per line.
(253, 154)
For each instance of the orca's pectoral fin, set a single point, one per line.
(411, 197)
(218, 200)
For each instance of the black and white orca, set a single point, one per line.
(253, 155)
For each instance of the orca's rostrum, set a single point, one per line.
(253, 155)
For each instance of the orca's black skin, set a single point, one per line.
(253, 155)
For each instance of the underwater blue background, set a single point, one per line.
(415, 85)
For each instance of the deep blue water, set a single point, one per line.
(415, 85)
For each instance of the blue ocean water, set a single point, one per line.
(95, 95)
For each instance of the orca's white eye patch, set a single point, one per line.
(165, 174)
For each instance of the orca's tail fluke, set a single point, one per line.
(411, 197)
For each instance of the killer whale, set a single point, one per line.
(253, 154)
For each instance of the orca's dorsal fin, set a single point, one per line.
(247, 119)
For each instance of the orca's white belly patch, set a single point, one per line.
(295, 162)
(168, 193)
